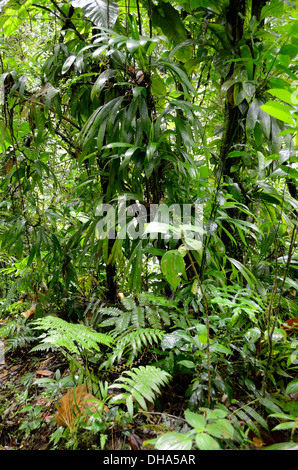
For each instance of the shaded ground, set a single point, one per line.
(27, 413)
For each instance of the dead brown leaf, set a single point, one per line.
(258, 442)
(75, 402)
(291, 325)
(46, 373)
(28, 313)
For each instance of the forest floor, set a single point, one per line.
(28, 411)
(28, 415)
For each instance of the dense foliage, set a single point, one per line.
(116, 118)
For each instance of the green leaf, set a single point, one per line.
(172, 265)
(282, 446)
(246, 54)
(142, 383)
(101, 81)
(101, 12)
(279, 111)
(195, 420)
(167, 18)
(220, 348)
(250, 278)
(285, 426)
(282, 94)
(252, 116)
(222, 429)
(132, 45)
(292, 387)
(206, 442)
(173, 441)
(187, 364)
(68, 63)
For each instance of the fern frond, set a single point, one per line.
(149, 312)
(142, 384)
(73, 337)
(138, 339)
(290, 305)
(133, 343)
(128, 303)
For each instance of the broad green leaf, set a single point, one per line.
(249, 66)
(279, 111)
(187, 364)
(284, 170)
(222, 429)
(167, 18)
(132, 45)
(252, 116)
(216, 347)
(173, 441)
(206, 442)
(195, 420)
(282, 94)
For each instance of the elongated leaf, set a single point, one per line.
(101, 81)
(250, 278)
(68, 63)
(279, 111)
(172, 265)
(252, 116)
(282, 94)
(292, 387)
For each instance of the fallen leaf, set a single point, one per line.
(28, 313)
(258, 442)
(75, 402)
(46, 373)
(291, 324)
(135, 442)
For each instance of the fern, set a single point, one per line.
(133, 343)
(141, 384)
(18, 334)
(72, 337)
(150, 312)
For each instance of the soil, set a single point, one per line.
(28, 415)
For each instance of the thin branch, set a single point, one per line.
(72, 26)
(206, 308)
(30, 100)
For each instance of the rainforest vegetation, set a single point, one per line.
(148, 224)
